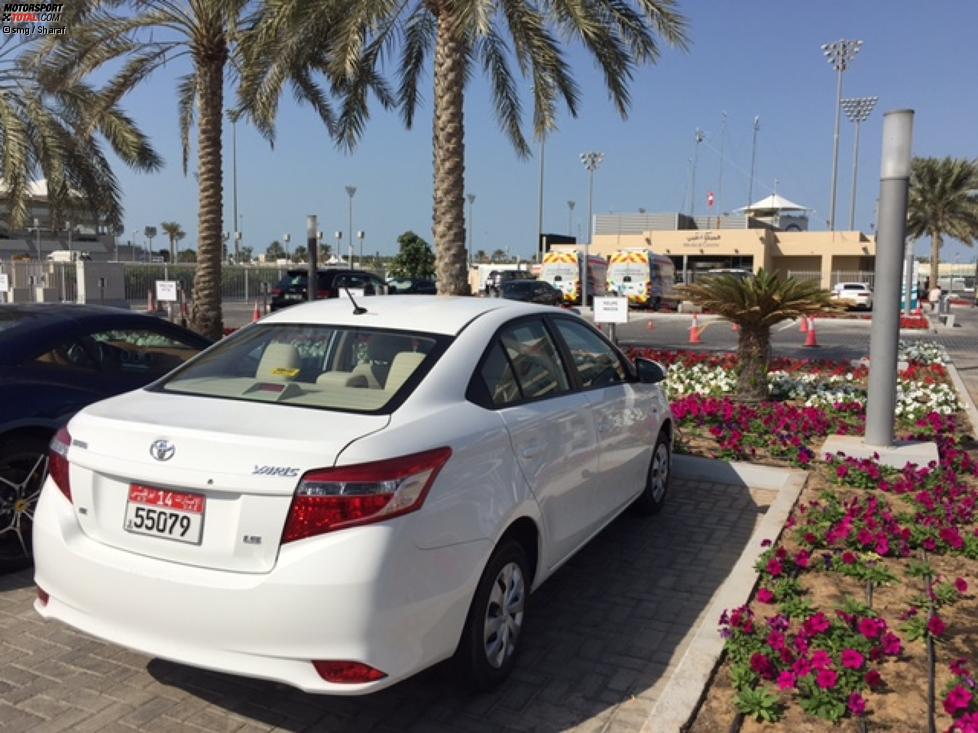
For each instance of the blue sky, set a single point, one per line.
(747, 58)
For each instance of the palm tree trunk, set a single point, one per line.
(753, 352)
(449, 156)
(206, 317)
(936, 242)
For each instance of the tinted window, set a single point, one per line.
(497, 375)
(596, 362)
(517, 286)
(539, 370)
(357, 280)
(133, 351)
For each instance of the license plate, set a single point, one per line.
(292, 296)
(172, 515)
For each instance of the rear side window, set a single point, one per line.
(597, 363)
(497, 375)
(136, 351)
(534, 360)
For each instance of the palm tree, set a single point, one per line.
(348, 40)
(149, 232)
(943, 203)
(481, 256)
(755, 304)
(59, 136)
(175, 233)
(155, 33)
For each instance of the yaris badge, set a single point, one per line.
(162, 450)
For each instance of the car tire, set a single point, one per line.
(490, 640)
(23, 465)
(653, 496)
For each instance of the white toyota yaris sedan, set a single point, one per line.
(337, 497)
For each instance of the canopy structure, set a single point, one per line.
(771, 204)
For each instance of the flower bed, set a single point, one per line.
(869, 588)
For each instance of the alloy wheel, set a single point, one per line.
(21, 476)
(660, 472)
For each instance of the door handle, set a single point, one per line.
(531, 450)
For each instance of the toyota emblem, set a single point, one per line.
(162, 450)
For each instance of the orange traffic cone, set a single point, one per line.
(810, 338)
(734, 327)
(256, 314)
(150, 301)
(694, 331)
(803, 328)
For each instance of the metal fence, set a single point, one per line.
(39, 282)
(838, 276)
(238, 282)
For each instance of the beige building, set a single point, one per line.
(765, 235)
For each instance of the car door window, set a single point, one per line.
(497, 375)
(139, 352)
(596, 362)
(69, 355)
(534, 359)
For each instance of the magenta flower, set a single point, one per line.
(851, 659)
(827, 679)
(871, 628)
(961, 584)
(873, 679)
(892, 644)
(936, 626)
(765, 596)
(762, 666)
(786, 680)
(821, 659)
(802, 558)
(957, 699)
(774, 568)
(857, 705)
(817, 624)
(959, 667)
(848, 558)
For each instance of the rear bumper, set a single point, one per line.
(362, 594)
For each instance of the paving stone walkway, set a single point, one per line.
(601, 639)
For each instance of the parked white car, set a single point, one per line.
(854, 295)
(336, 498)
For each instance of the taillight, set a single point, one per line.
(58, 461)
(325, 293)
(349, 673)
(277, 292)
(334, 498)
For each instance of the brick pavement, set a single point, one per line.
(601, 638)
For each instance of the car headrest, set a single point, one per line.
(279, 362)
(384, 348)
(403, 366)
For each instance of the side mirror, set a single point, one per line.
(650, 372)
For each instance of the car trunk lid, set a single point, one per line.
(234, 463)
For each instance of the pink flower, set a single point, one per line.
(892, 644)
(873, 679)
(857, 705)
(827, 679)
(821, 659)
(762, 666)
(848, 558)
(801, 667)
(936, 626)
(959, 667)
(871, 628)
(961, 584)
(765, 543)
(775, 640)
(801, 559)
(817, 624)
(957, 699)
(786, 680)
(774, 568)
(765, 596)
(851, 659)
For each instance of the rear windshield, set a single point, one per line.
(326, 367)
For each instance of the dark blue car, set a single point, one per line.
(54, 360)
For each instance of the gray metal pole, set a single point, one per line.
(753, 154)
(540, 206)
(312, 244)
(234, 185)
(590, 233)
(835, 149)
(855, 177)
(890, 242)
(909, 282)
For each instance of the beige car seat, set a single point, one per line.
(279, 362)
(403, 366)
(381, 350)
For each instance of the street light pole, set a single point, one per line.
(287, 238)
(234, 189)
(360, 236)
(753, 158)
(570, 218)
(350, 190)
(540, 205)
(470, 197)
(591, 162)
(698, 136)
(312, 245)
(890, 242)
(857, 111)
(840, 54)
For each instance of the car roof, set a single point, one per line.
(427, 313)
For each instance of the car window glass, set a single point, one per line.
(69, 355)
(139, 352)
(497, 375)
(534, 357)
(595, 361)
